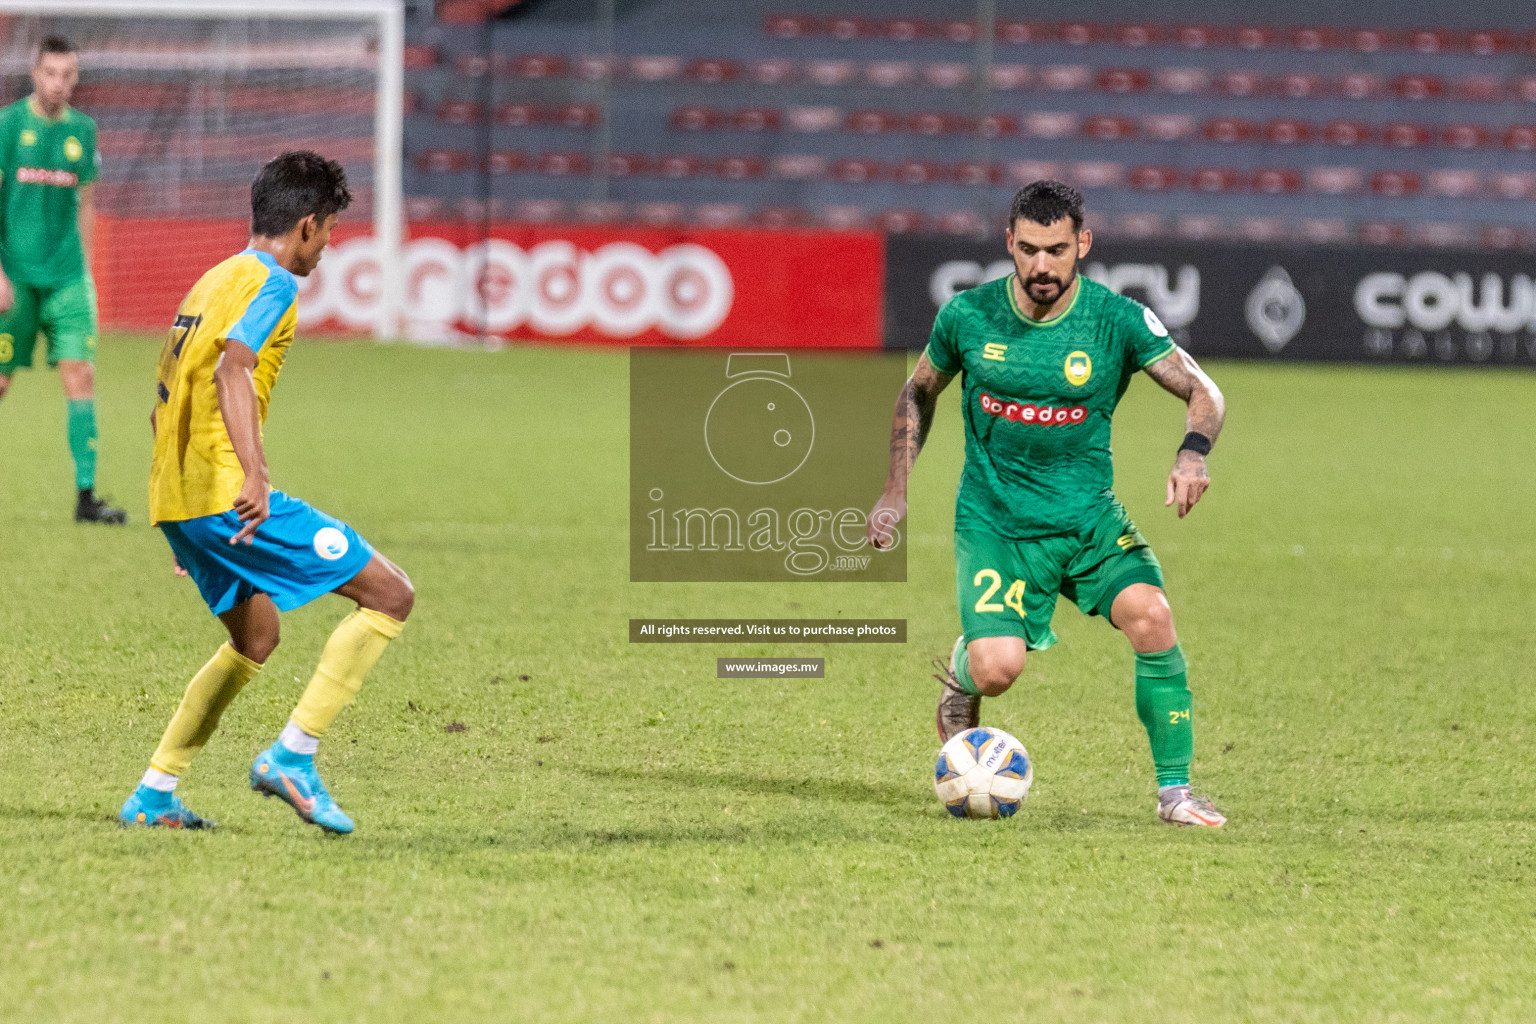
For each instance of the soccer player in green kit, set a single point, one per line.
(1045, 355)
(48, 165)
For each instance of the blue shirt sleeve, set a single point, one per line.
(261, 317)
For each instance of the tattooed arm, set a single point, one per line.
(1180, 375)
(909, 429)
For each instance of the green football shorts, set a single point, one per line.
(1009, 587)
(65, 314)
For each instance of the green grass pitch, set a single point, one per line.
(616, 835)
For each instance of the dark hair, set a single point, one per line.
(293, 186)
(1047, 201)
(54, 44)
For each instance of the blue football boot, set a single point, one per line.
(154, 808)
(292, 779)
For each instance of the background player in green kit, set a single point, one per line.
(48, 165)
(1044, 356)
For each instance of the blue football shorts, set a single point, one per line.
(298, 554)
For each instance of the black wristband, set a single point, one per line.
(1197, 443)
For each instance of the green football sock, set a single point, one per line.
(963, 671)
(82, 441)
(1163, 705)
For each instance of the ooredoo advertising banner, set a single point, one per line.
(595, 285)
(1349, 303)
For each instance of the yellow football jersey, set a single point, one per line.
(247, 298)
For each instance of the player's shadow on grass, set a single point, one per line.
(835, 790)
(93, 816)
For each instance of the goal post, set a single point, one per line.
(195, 94)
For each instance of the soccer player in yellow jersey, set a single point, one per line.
(253, 550)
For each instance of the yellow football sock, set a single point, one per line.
(208, 694)
(349, 654)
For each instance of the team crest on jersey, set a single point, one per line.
(1078, 368)
(28, 137)
(72, 149)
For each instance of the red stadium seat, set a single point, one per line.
(976, 172)
(712, 71)
(1502, 236)
(1255, 37)
(874, 122)
(593, 68)
(854, 171)
(1183, 81)
(1520, 137)
(1464, 136)
(460, 112)
(1288, 131)
(1396, 184)
(1524, 88)
(1418, 87)
(1324, 230)
(1317, 38)
(960, 222)
(628, 165)
(1489, 44)
(958, 31)
(1012, 76)
(1080, 33)
(907, 30)
(740, 168)
(1240, 84)
(442, 161)
(813, 119)
(1215, 179)
(1229, 129)
(1023, 172)
(654, 69)
(1360, 86)
(890, 74)
(940, 123)
(1478, 89)
(419, 57)
(660, 215)
(1152, 178)
(592, 211)
(1335, 181)
(410, 101)
(1275, 181)
(1513, 185)
(1021, 32)
(919, 172)
(1370, 40)
(847, 29)
(470, 65)
(1139, 34)
(1455, 183)
(830, 73)
(1441, 233)
(1406, 135)
(1109, 127)
(539, 65)
(1348, 133)
(695, 119)
(782, 26)
(948, 75)
(778, 217)
(901, 222)
(1123, 80)
(842, 218)
(478, 210)
(1048, 124)
(1200, 37)
(1301, 86)
(562, 164)
(1167, 127)
(1199, 227)
(797, 167)
(423, 208)
(1095, 173)
(997, 126)
(1139, 225)
(679, 165)
(517, 115)
(1431, 40)
(770, 71)
(1380, 232)
(720, 215)
(1262, 229)
(1065, 77)
(755, 119)
(577, 115)
(505, 161)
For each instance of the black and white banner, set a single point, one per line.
(1266, 301)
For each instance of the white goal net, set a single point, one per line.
(191, 98)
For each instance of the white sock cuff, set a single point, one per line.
(157, 779)
(297, 740)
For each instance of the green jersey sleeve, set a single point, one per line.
(90, 163)
(1146, 339)
(943, 342)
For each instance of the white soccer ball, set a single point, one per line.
(983, 773)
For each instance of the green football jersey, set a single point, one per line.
(43, 164)
(1038, 399)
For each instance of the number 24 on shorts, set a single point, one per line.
(1014, 598)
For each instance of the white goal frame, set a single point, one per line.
(389, 100)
